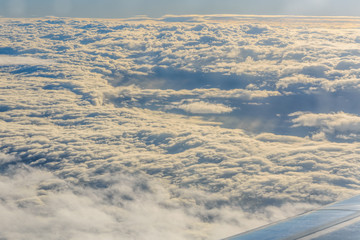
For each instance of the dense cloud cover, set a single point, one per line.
(184, 127)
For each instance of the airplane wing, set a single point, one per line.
(340, 220)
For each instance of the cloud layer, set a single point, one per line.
(184, 127)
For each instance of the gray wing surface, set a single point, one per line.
(337, 221)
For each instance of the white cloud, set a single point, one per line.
(52, 208)
(4, 158)
(334, 121)
(99, 148)
(204, 108)
(132, 207)
(339, 123)
(11, 60)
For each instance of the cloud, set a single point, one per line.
(335, 121)
(11, 60)
(204, 108)
(4, 158)
(109, 142)
(340, 124)
(133, 206)
(51, 207)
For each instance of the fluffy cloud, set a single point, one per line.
(52, 208)
(340, 124)
(204, 107)
(124, 133)
(11, 60)
(132, 206)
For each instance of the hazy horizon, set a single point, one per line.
(158, 8)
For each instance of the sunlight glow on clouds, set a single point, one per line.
(11, 60)
(204, 107)
(339, 123)
(183, 127)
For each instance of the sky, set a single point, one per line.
(158, 8)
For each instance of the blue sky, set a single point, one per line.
(157, 8)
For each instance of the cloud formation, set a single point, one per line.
(340, 124)
(10, 60)
(184, 127)
(204, 108)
